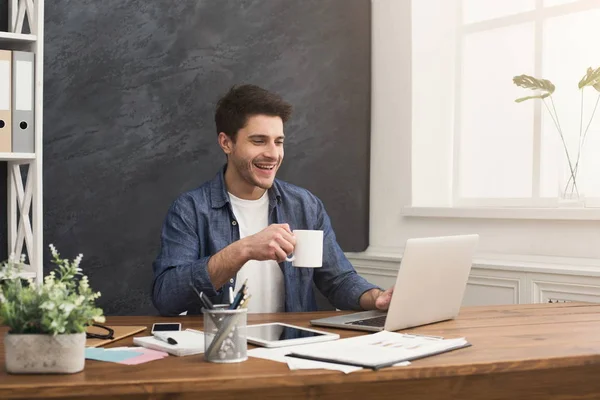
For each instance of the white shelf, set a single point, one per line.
(23, 275)
(16, 156)
(7, 37)
(27, 275)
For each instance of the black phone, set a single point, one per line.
(166, 327)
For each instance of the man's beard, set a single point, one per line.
(245, 171)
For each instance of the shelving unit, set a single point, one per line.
(8, 37)
(17, 157)
(25, 234)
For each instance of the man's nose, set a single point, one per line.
(272, 150)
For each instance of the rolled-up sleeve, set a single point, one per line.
(179, 263)
(337, 279)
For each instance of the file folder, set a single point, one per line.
(5, 101)
(22, 105)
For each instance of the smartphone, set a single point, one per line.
(166, 327)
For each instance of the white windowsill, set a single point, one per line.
(577, 214)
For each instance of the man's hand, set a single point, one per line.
(275, 242)
(376, 299)
(382, 302)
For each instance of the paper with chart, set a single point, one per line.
(380, 348)
(359, 347)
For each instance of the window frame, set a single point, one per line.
(537, 16)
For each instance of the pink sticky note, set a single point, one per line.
(150, 351)
(146, 355)
(142, 358)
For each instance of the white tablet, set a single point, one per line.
(277, 334)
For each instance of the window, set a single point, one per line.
(473, 145)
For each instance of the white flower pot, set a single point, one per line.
(46, 354)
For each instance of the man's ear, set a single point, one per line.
(225, 142)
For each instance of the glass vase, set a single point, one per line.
(570, 192)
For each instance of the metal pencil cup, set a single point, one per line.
(225, 335)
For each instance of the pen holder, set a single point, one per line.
(225, 335)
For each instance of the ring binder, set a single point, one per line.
(5, 101)
(22, 104)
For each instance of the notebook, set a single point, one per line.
(379, 350)
(188, 342)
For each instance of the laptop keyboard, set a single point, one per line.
(373, 321)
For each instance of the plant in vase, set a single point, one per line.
(47, 322)
(544, 88)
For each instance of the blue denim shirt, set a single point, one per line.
(201, 222)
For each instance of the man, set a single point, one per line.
(238, 226)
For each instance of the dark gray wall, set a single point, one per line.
(130, 91)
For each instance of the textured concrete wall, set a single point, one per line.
(130, 91)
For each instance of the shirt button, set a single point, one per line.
(231, 280)
(234, 223)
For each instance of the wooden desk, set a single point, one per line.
(541, 351)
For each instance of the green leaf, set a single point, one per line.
(591, 78)
(529, 82)
(62, 304)
(541, 96)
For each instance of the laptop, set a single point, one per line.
(429, 288)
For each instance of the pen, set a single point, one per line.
(246, 301)
(238, 296)
(206, 303)
(236, 305)
(203, 299)
(165, 338)
(243, 301)
(327, 360)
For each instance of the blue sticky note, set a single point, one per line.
(93, 353)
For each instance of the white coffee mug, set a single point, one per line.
(308, 252)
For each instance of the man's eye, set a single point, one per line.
(279, 142)
(256, 141)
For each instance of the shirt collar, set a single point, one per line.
(219, 197)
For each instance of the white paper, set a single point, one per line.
(188, 342)
(379, 348)
(402, 364)
(279, 355)
(298, 363)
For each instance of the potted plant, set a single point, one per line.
(47, 322)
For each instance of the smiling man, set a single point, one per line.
(238, 226)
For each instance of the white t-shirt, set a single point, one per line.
(265, 279)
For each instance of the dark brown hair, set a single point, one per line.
(242, 102)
